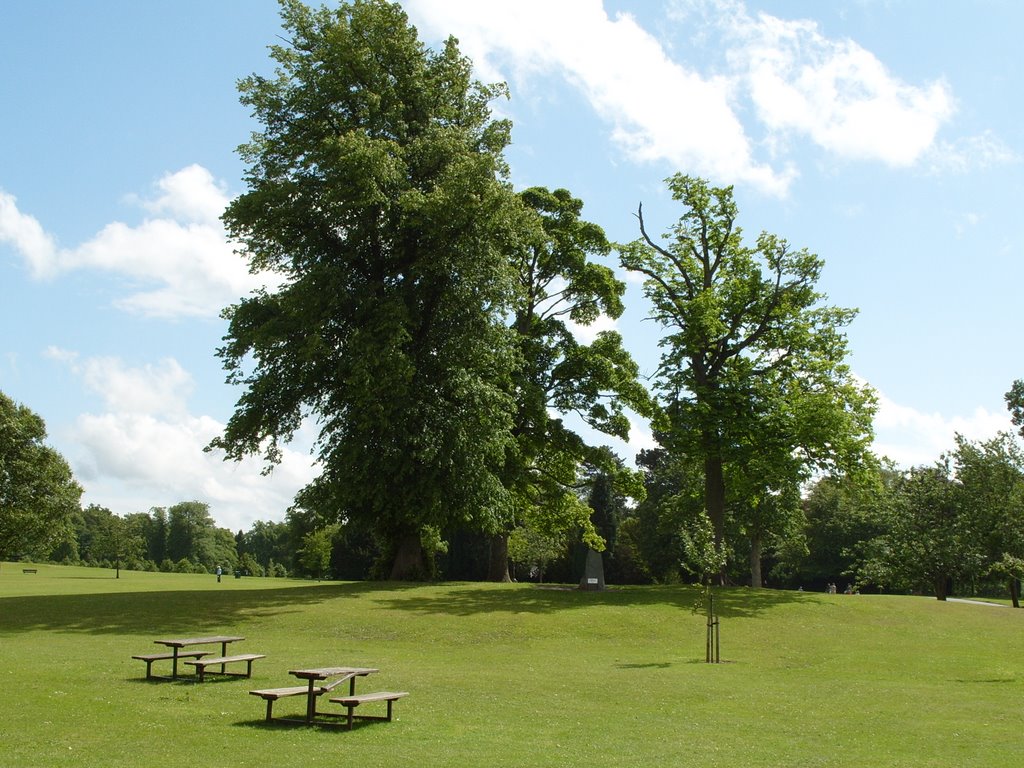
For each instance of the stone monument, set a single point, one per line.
(593, 572)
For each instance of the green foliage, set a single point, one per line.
(534, 550)
(560, 282)
(192, 535)
(929, 541)
(1015, 404)
(753, 379)
(248, 566)
(315, 554)
(844, 516)
(990, 479)
(38, 494)
(266, 542)
(375, 192)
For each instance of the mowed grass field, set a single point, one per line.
(508, 675)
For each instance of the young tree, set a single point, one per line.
(376, 193)
(38, 493)
(751, 350)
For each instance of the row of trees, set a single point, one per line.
(423, 318)
(956, 524)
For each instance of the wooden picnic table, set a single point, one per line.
(176, 644)
(319, 674)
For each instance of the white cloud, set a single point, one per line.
(912, 438)
(146, 449)
(658, 110)
(153, 389)
(177, 263)
(191, 195)
(793, 81)
(970, 153)
(834, 92)
(27, 236)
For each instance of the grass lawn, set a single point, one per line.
(507, 675)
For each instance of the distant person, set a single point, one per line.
(219, 572)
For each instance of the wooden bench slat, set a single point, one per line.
(168, 656)
(362, 698)
(214, 661)
(149, 658)
(280, 693)
(228, 659)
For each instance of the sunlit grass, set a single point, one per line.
(509, 675)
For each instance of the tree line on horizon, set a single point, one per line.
(952, 527)
(424, 322)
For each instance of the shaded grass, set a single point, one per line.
(509, 674)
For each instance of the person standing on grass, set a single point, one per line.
(218, 574)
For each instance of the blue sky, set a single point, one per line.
(885, 136)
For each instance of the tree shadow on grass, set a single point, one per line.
(729, 602)
(171, 613)
(198, 612)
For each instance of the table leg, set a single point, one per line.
(223, 652)
(174, 663)
(352, 686)
(310, 703)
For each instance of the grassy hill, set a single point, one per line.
(508, 675)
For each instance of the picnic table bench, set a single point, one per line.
(29, 570)
(351, 702)
(222, 661)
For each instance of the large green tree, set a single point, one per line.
(754, 361)
(38, 493)
(376, 193)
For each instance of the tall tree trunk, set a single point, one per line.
(409, 564)
(497, 570)
(1015, 592)
(755, 560)
(941, 583)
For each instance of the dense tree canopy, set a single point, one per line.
(38, 493)
(376, 193)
